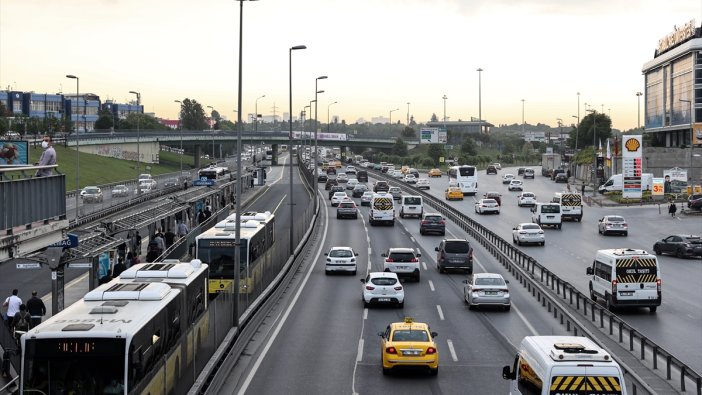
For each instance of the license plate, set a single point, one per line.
(383, 299)
(627, 293)
(412, 208)
(491, 292)
(401, 267)
(550, 216)
(411, 352)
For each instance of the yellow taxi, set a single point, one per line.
(435, 173)
(409, 344)
(404, 169)
(453, 193)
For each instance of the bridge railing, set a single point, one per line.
(25, 199)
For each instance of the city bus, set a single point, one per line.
(464, 177)
(216, 247)
(139, 333)
(213, 172)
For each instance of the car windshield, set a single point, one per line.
(457, 247)
(407, 335)
(489, 201)
(615, 219)
(346, 205)
(489, 281)
(91, 190)
(432, 218)
(531, 227)
(413, 200)
(341, 254)
(384, 281)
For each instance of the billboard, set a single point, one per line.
(632, 148)
(657, 187)
(432, 136)
(14, 152)
(675, 180)
(697, 134)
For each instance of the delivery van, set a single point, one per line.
(549, 365)
(616, 183)
(382, 209)
(547, 214)
(571, 205)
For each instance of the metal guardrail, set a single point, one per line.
(533, 275)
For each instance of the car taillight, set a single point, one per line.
(424, 222)
(390, 350)
(370, 287)
(442, 222)
(431, 350)
(658, 285)
(398, 288)
(389, 260)
(414, 260)
(614, 287)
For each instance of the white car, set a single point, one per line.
(497, 166)
(528, 233)
(486, 289)
(506, 178)
(338, 197)
(350, 170)
(342, 178)
(515, 185)
(397, 174)
(423, 183)
(120, 191)
(410, 179)
(402, 261)
(144, 187)
(526, 199)
(382, 287)
(340, 259)
(483, 206)
(351, 183)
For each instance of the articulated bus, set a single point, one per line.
(465, 177)
(216, 247)
(213, 172)
(137, 334)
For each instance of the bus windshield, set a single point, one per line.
(219, 254)
(80, 365)
(466, 171)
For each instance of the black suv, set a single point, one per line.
(381, 186)
(336, 188)
(322, 177)
(330, 182)
(520, 170)
(432, 223)
(454, 254)
(556, 171)
(491, 169)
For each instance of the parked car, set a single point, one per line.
(612, 224)
(432, 223)
(483, 289)
(120, 191)
(528, 233)
(681, 246)
(91, 194)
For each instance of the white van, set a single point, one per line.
(563, 365)
(547, 214)
(616, 183)
(625, 277)
(571, 205)
(411, 206)
(382, 209)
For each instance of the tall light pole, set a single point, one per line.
(522, 117)
(408, 103)
(391, 118)
(305, 136)
(577, 129)
(480, 98)
(316, 181)
(576, 132)
(594, 149)
(292, 215)
(213, 144)
(560, 128)
(328, 121)
(638, 116)
(77, 142)
(444, 97)
(180, 127)
(138, 95)
(256, 115)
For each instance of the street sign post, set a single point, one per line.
(31, 265)
(70, 242)
(203, 182)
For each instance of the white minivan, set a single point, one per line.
(547, 214)
(411, 206)
(382, 209)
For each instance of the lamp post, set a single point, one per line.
(638, 116)
(444, 97)
(292, 215)
(256, 115)
(77, 142)
(138, 95)
(316, 169)
(408, 103)
(522, 117)
(560, 128)
(391, 118)
(577, 130)
(180, 128)
(480, 96)
(594, 149)
(328, 121)
(213, 144)
(305, 136)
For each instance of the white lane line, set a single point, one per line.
(257, 365)
(370, 251)
(524, 319)
(279, 203)
(359, 354)
(452, 350)
(424, 265)
(441, 312)
(431, 286)
(365, 314)
(413, 240)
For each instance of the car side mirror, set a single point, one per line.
(326, 254)
(512, 229)
(589, 271)
(465, 281)
(507, 373)
(506, 281)
(355, 253)
(436, 248)
(418, 255)
(381, 334)
(363, 280)
(434, 334)
(384, 255)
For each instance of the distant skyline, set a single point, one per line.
(378, 55)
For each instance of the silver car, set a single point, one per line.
(120, 191)
(528, 233)
(91, 194)
(366, 198)
(486, 289)
(396, 193)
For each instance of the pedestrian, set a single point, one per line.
(223, 201)
(21, 321)
(672, 209)
(208, 211)
(12, 303)
(160, 242)
(182, 230)
(582, 189)
(137, 244)
(48, 158)
(201, 217)
(122, 250)
(119, 268)
(568, 174)
(169, 237)
(36, 309)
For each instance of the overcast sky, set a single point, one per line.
(378, 54)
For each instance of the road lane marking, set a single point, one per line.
(424, 265)
(431, 285)
(452, 350)
(370, 251)
(413, 240)
(268, 345)
(279, 203)
(524, 319)
(365, 314)
(441, 313)
(359, 354)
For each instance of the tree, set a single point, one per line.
(409, 132)
(584, 132)
(435, 151)
(192, 115)
(142, 121)
(400, 148)
(105, 120)
(217, 118)
(468, 147)
(434, 118)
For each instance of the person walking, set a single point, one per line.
(201, 217)
(161, 244)
(36, 309)
(12, 303)
(582, 189)
(169, 237)
(21, 322)
(48, 158)
(119, 268)
(182, 230)
(136, 246)
(672, 209)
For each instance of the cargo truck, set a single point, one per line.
(550, 162)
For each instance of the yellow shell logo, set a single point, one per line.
(632, 145)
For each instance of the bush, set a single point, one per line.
(428, 162)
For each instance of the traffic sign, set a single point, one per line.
(70, 242)
(203, 182)
(32, 265)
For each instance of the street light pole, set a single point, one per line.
(444, 97)
(638, 116)
(292, 215)
(391, 118)
(138, 95)
(256, 115)
(316, 180)
(480, 98)
(180, 128)
(328, 121)
(408, 103)
(522, 117)
(213, 144)
(594, 149)
(77, 143)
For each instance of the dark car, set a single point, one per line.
(330, 182)
(681, 246)
(454, 254)
(362, 176)
(494, 195)
(556, 172)
(520, 170)
(414, 172)
(358, 190)
(331, 170)
(561, 177)
(381, 186)
(347, 210)
(322, 177)
(335, 188)
(432, 223)
(491, 169)
(695, 201)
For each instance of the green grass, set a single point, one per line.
(97, 170)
